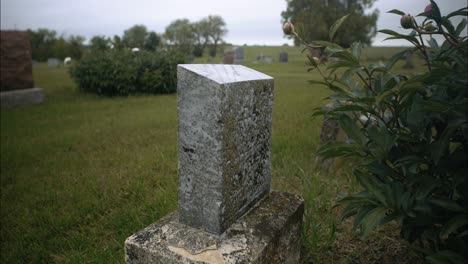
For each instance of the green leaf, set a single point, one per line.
(347, 108)
(395, 58)
(460, 12)
(447, 204)
(446, 257)
(317, 82)
(372, 219)
(448, 25)
(453, 224)
(339, 149)
(389, 32)
(351, 129)
(411, 39)
(356, 50)
(334, 28)
(461, 26)
(396, 11)
(372, 185)
(327, 44)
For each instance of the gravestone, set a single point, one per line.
(53, 62)
(409, 60)
(16, 66)
(228, 57)
(283, 57)
(226, 212)
(16, 79)
(238, 55)
(190, 58)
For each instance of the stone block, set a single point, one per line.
(224, 134)
(268, 234)
(16, 61)
(21, 97)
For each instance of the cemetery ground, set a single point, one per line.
(81, 173)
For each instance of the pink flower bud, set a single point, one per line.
(288, 28)
(428, 9)
(407, 21)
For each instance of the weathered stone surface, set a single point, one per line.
(16, 62)
(228, 57)
(224, 132)
(269, 234)
(21, 97)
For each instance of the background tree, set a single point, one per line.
(75, 46)
(99, 43)
(217, 30)
(42, 42)
(135, 36)
(317, 16)
(117, 42)
(152, 41)
(201, 32)
(180, 34)
(60, 48)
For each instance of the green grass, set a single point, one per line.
(80, 173)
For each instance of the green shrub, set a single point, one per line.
(409, 134)
(122, 72)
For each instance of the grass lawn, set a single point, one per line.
(81, 173)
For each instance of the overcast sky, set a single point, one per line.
(248, 21)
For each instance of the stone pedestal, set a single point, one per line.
(21, 97)
(267, 234)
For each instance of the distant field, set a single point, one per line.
(80, 173)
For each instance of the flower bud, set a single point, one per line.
(428, 9)
(407, 21)
(316, 60)
(288, 28)
(429, 27)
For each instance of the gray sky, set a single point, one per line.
(248, 21)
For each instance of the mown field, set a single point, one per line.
(80, 173)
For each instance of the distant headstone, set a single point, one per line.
(209, 60)
(267, 60)
(238, 55)
(409, 60)
(228, 57)
(53, 62)
(190, 58)
(283, 57)
(16, 63)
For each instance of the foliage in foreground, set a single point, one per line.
(409, 134)
(122, 72)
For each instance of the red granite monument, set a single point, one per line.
(16, 79)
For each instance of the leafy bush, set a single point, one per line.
(409, 133)
(122, 72)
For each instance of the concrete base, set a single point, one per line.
(21, 97)
(268, 233)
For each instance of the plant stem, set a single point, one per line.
(367, 84)
(424, 52)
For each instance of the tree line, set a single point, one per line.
(189, 37)
(313, 18)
